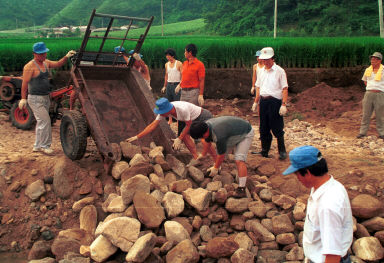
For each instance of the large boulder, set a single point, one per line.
(366, 206)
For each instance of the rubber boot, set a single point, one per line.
(281, 148)
(265, 147)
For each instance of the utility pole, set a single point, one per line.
(381, 18)
(275, 21)
(162, 19)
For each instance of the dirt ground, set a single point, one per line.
(333, 112)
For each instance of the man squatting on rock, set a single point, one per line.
(36, 87)
(227, 132)
(328, 227)
(181, 111)
(272, 95)
(374, 96)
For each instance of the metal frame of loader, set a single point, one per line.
(115, 100)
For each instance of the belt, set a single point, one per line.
(267, 97)
(375, 90)
(188, 88)
(173, 82)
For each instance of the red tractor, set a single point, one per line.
(10, 95)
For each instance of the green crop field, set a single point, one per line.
(215, 52)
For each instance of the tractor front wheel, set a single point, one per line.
(73, 135)
(22, 119)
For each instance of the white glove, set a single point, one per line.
(70, 53)
(1, 77)
(22, 104)
(254, 106)
(177, 89)
(200, 99)
(136, 56)
(176, 144)
(253, 90)
(283, 110)
(213, 171)
(134, 138)
(163, 89)
(200, 156)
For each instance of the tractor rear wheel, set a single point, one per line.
(22, 119)
(73, 135)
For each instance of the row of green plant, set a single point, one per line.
(215, 52)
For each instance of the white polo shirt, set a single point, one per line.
(328, 227)
(373, 84)
(185, 111)
(272, 82)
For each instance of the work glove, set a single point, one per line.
(200, 99)
(254, 106)
(70, 53)
(253, 90)
(283, 110)
(163, 89)
(176, 144)
(212, 171)
(1, 77)
(22, 103)
(177, 89)
(134, 138)
(136, 56)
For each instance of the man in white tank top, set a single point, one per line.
(172, 75)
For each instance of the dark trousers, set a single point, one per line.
(270, 119)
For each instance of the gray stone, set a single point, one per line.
(198, 198)
(237, 205)
(130, 186)
(368, 248)
(101, 249)
(184, 252)
(282, 224)
(149, 210)
(173, 204)
(177, 166)
(175, 232)
(35, 190)
(129, 150)
(242, 256)
(142, 248)
(196, 174)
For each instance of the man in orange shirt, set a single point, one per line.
(192, 80)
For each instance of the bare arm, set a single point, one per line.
(332, 258)
(57, 64)
(201, 86)
(27, 75)
(166, 75)
(254, 75)
(285, 96)
(257, 98)
(150, 128)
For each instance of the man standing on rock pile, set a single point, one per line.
(36, 86)
(227, 132)
(272, 95)
(374, 96)
(328, 227)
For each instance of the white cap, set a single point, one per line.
(267, 53)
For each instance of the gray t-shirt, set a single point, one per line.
(227, 131)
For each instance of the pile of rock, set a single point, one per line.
(165, 211)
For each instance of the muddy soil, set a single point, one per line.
(333, 112)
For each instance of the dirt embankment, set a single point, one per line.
(333, 113)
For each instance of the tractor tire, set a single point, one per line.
(22, 119)
(73, 135)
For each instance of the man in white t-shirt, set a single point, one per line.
(271, 95)
(374, 96)
(328, 227)
(181, 111)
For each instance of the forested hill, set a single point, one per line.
(295, 18)
(223, 17)
(26, 13)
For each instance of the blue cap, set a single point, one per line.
(133, 51)
(258, 53)
(302, 157)
(119, 49)
(40, 48)
(162, 106)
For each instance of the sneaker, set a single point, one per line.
(35, 149)
(240, 192)
(360, 136)
(47, 150)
